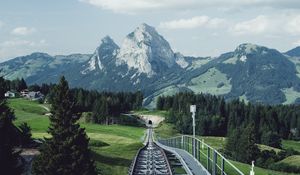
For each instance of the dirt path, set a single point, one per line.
(46, 108)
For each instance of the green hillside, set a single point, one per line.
(292, 160)
(122, 142)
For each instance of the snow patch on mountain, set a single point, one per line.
(243, 58)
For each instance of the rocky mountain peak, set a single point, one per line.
(247, 48)
(143, 33)
(102, 55)
(145, 50)
(107, 43)
(108, 40)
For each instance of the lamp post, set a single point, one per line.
(193, 111)
(252, 168)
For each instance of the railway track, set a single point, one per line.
(150, 160)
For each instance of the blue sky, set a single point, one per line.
(193, 27)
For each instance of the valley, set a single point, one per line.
(150, 87)
(114, 146)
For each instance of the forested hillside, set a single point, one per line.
(244, 125)
(217, 117)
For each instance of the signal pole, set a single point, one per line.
(193, 111)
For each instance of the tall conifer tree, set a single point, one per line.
(66, 152)
(10, 161)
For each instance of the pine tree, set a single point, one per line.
(25, 131)
(67, 151)
(232, 143)
(248, 150)
(159, 103)
(10, 161)
(22, 85)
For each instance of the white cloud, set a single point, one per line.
(17, 42)
(296, 43)
(134, 6)
(257, 25)
(293, 25)
(23, 31)
(194, 22)
(271, 26)
(16, 47)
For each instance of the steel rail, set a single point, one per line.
(150, 159)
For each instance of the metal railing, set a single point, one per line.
(211, 159)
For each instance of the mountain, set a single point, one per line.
(145, 61)
(260, 74)
(41, 67)
(146, 51)
(294, 52)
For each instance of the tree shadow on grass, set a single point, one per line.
(116, 161)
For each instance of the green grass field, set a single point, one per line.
(122, 141)
(166, 130)
(209, 81)
(292, 160)
(291, 144)
(149, 112)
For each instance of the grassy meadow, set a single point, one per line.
(113, 146)
(149, 112)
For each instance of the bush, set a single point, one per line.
(285, 167)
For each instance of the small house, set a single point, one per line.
(34, 95)
(10, 94)
(24, 92)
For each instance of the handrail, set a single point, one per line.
(213, 158)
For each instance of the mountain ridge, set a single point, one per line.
(145, 61)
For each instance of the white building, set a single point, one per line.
(10, 94)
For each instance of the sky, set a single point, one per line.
(192, 27)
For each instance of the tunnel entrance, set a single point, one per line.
(150, 122)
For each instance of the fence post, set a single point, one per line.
(174, 142)
(188, 145)
(193, 147)
(214, 168)
(208, 159)
(185, 145)
(222, 166)
(196, 152)
(199, 151)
